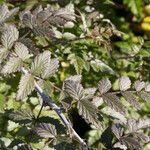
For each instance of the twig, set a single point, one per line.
(47, 100)
(40, 111)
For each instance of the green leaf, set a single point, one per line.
(21, 116)
(41, 63)
(26, 86)
(13, 65)
(22, 51)
(78, 64)
(114, 102)
(131, 98)
(46, 130)
(89, 112)
(9, 36)
(74, 89)
(134, 5)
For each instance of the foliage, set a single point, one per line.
(89, 59)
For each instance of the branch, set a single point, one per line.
(48, 101)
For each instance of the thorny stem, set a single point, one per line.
(48, 101)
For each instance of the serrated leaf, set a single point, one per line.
(145, 96)
(131, 143)
(131, 123)
(134, 125)
(51, 69)
(22, 51)
(142, 136)
(78, 64)
(114, 102)
(9, 36)
(143, 123)
(131, 98)
(41, 63)
(5, 13)
(75, 78)
(124, 83)
(104, 85)
(89, 112)
(89, 93)
(74, 89)
(26, 86)
(46, 130)
(21, 116)
(13, 65)
(117, 130)
(139, 85)
(65, 145)
(3, 53)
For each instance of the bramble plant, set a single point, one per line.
(73, 68)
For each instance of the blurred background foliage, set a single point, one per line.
(109, 52)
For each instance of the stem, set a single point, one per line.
(40, 111)
(47, 100)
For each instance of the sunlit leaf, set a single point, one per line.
(26, 86)
(124, 83)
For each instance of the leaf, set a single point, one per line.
(26, 86)
(5, 13)
(134, 5)
(3, 53)
(131, 143)
(117, 130)
(139, 85)
(89, 93)
(51, 69)
(120, 146)
(89, 112)
(41, 63)
(147, 87)
(78, 64)
(145, 96)
(134, 125)
(104, 85)
(75, 78)
(131, 98)
(142, 136)
(22, 51)
(13, 65)
(124, 83)
(114, 102)
(25, 147)
(21, 116)
(143, 123)
(9, 36)
(131, 123)
(64, 145)
(74, 89)
(46, 130)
